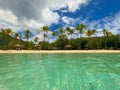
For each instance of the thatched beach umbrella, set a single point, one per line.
(18, 47)
(68, 47)
(37, 47)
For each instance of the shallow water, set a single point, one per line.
(60, 71)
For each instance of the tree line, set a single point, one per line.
(78, 37)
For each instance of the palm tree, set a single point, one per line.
(71, 32)
(27, 34)
(89, 33)
(62, 36)
(104, 32)
(61, 31)
(45, 30)
(80, 28)
(94, 32)
(16, 35)
(54, 34)
(106, 35)
(3, 31)
(20, 36)
(68, 30)
(6, 31)
(95, 42)
(36, 40)
(109, 34)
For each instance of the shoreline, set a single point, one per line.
(58, 51)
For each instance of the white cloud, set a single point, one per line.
(49, 17)
(67, 20)
(72, 5)
(40, 36)
(36, 13)
(33, 24)
(72, 21)
(8, 16)
(111, 23)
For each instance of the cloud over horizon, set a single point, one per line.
(34, 14)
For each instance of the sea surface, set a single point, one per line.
(60, 71)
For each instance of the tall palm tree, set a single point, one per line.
(54, 34)
(62, 36)
(27, 34)
(68, 30)
(94, 39)
(109, 34)
(20, 36)
(7, 31)
(71, 32)
(106, 34)
(36, 40)
(89, 33)
(45, 30)
(80, 28)
(16, 35)
(94, 32)
(61, 31)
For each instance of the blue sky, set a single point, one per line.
(94, 11)
(28, 14)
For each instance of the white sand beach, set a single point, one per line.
(59, 51)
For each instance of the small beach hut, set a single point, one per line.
(68, 47)
(18, 47)
(37, 47)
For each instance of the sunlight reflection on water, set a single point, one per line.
(59, 72)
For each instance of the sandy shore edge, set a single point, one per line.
(59, 51)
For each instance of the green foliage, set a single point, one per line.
(108, 41)
(45, 45)
(27, 34)
(61, 42)
(8, 42)
(45, 29)
(36, 40)
(80, 28)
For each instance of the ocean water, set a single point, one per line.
(60, 71)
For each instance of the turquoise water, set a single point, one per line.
(59, 71)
